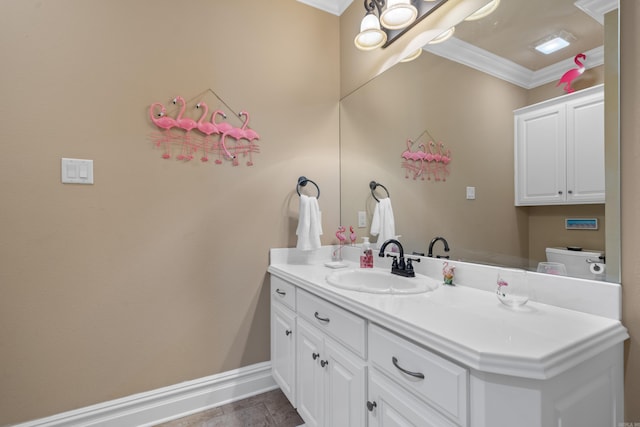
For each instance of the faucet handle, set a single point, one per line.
(395, 260)
(442, 256)
(410, 263)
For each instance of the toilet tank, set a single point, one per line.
(575, 260)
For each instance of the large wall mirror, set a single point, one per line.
(461, 94)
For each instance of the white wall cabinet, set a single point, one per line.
(559, 150)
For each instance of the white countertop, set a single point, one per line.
(471, 326)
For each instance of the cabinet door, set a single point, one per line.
(391, 406)
(540, 156)
(344, 387)
(585, 150)
(283, 349)
(310, 378)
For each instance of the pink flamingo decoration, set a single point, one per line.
(248, 134)
(207, 128)
(340, 234)
(352, 236)
(163, 122)
(414, 157)
(187, 124)
(568, 77)
(223, 128)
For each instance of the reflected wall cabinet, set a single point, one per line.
(559, 150)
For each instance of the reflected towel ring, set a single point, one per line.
(303, 181)
(373, 185)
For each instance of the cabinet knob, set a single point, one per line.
(324, 363)
(315, 355)
(288, 332)
(570, 191)
(371, 405)
(560, 192)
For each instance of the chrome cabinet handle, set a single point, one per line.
(394, 360)
(281, 293)
(315, 355)
(288, 332)
(322, 319)
(371, 405)
(324, 363)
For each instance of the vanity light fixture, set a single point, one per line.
(484, 11)
(385, 20)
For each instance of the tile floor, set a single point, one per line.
(270, 409)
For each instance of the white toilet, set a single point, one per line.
(579, 261)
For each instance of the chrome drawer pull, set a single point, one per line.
(322, 319)
(413, 374)
(281, 293)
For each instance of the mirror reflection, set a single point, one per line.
(457, 99)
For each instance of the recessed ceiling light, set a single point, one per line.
(554, 42)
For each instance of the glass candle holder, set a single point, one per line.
(512, 287)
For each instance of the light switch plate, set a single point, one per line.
(77, 171)
(362, 219)
(471, 193)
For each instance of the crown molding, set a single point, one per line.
(335, 7)
(467, 54)
(597, 8)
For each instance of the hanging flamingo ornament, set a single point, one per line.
(187, 125)
(568, 77)
(163, 122)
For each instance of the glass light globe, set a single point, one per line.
(399, 14)
(370, 36)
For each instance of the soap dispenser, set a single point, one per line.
(366, 259)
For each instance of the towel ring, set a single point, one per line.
(303, 181)
(373, 185)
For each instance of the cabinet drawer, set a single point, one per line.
(441, 383)
(341, 325)
(283, 292)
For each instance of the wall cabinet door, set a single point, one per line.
(331, 381)
(559, 150)
(283, 349)
(392, 406)
(541, 156)
(585, 150)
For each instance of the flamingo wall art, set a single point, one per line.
(428, 160)
(206, 136)
(568, 77)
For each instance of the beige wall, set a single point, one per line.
(630, 200)
(157, 273)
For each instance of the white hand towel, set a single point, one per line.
(309, 224)
(383, 225)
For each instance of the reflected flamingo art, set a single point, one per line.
(568, 77)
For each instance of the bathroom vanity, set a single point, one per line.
(453, 356)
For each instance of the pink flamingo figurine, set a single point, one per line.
(340, 234)
(163, 122)
(568, 77)
(352, 235)
(223, 127)
(187, 124)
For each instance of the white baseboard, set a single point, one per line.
(167, 403)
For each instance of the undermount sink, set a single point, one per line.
(379, 281)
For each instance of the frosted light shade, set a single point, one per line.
(370, 36)
(485, 10)
(412, 55)
(398, 14)
(552, 45)
(444, 36)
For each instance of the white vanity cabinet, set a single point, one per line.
(331, 371)
(283, 336)
(559, 150)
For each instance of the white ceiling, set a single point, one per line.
(501, 44)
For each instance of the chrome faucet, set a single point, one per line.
(433, 242)
(399, 265)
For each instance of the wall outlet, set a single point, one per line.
(362, 219)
